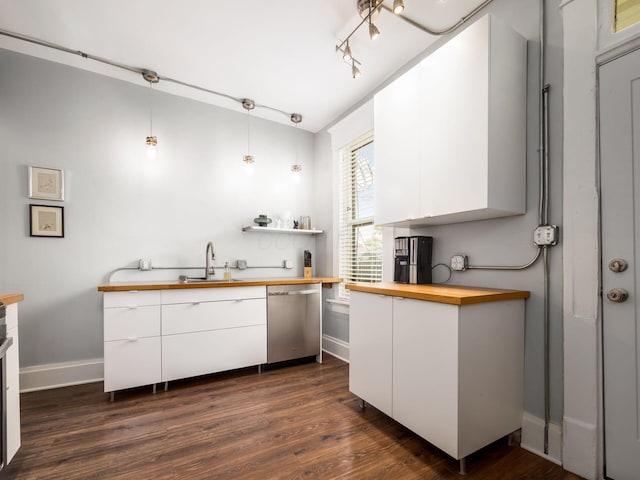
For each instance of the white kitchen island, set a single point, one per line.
(446, 362)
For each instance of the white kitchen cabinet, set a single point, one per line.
(13, 383)
(132, 347)
(469, 116)
(451, 373)
(370, 356)
(397, 121)
(458, 371)
(213, 330)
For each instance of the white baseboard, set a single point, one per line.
(580, 441)
(64, 374)
(336, 347)
(533, 438)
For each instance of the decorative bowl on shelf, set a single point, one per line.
(262, 220)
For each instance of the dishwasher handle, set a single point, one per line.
(293, 292)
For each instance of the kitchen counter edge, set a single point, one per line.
(450, 294)
(164, 285)
(9, 298)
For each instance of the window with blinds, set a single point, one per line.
(360, 256)
(627, 13)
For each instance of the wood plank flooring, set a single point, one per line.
(297, 422)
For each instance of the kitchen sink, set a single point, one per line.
(186, 279)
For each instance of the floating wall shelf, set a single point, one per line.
(254, 228)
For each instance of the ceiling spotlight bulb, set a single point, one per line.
(347, 53)
(355, 71)
(373, 31)
(398, 7)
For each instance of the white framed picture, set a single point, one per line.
(46, 183)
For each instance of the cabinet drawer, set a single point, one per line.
(12, 316)
(197, 316)
(192, 354)
(133, 298)
(131, 363)
(189, 295)
(131, 322)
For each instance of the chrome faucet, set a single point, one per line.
(209, 272)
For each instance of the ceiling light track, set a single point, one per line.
(141, 71)
(373, 8)
(450, 29)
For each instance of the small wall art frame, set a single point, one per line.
(46, 183)
(46, 221)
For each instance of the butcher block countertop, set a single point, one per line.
(168, 285)
(9, 298)
(451, 294)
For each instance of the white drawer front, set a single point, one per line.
(12, 316)
(197, 317)
(132, 298)
(189, 295)
(200, 353)
(131, 322)
(131, 363)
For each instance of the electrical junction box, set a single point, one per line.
(459, 263)
(546, 235)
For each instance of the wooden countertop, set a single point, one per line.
(168, 285)
(9, 298)
(451, 294)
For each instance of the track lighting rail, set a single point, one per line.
(149, 75)
(397, 9)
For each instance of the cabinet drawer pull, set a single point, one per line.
(132, 339)
(195, 303)
(132, 307)
(239, 300)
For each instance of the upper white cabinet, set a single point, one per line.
(451, 132)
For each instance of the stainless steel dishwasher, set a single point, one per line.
(293, 321)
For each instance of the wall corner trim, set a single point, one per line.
(533, 438)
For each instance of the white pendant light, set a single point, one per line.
(296, 168)
(248, 159)
(151, 141)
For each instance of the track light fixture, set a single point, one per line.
(355, 71)
(398, 7)
(368, 9)
(346, 56)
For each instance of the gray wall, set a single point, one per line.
(508, 241)
(119, 205)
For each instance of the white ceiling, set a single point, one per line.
(280, 53)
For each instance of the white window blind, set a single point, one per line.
(360, 241)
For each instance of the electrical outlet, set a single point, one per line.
(459, 263)
(546, 235)
(288, 264)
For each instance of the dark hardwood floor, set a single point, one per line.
(287, 423)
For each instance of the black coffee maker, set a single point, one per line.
(412, 262)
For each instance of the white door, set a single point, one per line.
(620, 196)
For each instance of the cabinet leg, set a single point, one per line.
(154, 389)
(112, 397)
(259, 369)
(463, 466)
(363, 405)
(166, 386)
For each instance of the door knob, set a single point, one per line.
(617, 295)
(618, 265)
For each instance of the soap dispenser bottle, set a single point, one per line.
(227, 272)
